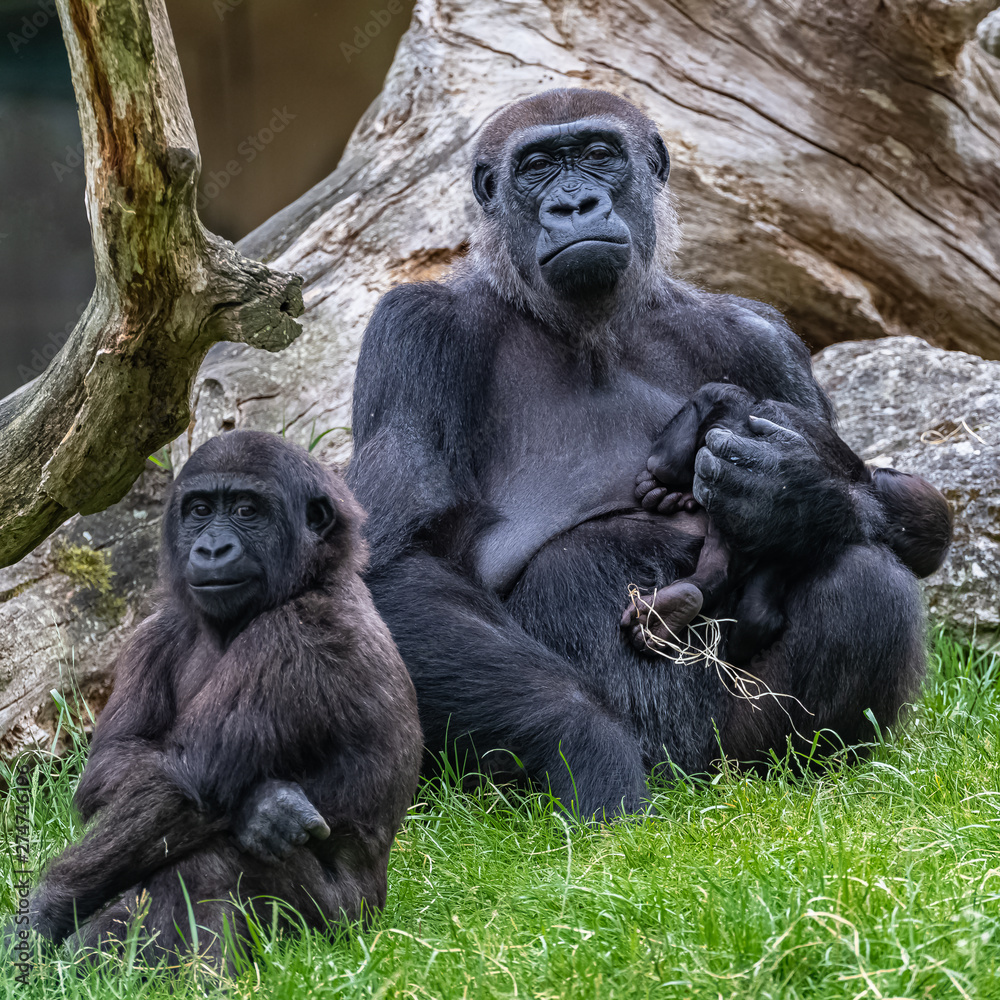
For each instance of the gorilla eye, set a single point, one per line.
(536, 163)
(598, 154)
(200, 509)
(245, 510)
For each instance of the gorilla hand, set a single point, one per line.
(772, 495)
(275, 819)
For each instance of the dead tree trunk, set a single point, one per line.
(837, 158)
(76, 437)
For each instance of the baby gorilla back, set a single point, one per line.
(262, 739)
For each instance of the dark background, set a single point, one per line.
(242, 59)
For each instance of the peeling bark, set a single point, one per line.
(76, 438)
(838, 160)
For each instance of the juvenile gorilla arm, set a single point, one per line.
(138, 713)
(148, 824)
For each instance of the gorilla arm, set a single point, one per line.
(908, 514)
(138, 713)
(143, 820)
(313, 730)
(148, 824)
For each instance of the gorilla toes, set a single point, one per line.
(664, 614)
(644, 482)
(654, 496)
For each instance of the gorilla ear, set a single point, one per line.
(321, 516)
(484, 185)
(659, 159)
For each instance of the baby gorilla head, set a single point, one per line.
(252, 519)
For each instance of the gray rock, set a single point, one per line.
(920, 409)
(988, 33)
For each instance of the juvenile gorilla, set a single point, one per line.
(262, 738)
(499, 419)
(755, 591)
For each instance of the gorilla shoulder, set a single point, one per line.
(768, 357)
(422, 308)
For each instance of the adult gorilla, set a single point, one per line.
(499, 422)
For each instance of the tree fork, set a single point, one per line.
(76, 438)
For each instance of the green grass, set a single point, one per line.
(880, 879)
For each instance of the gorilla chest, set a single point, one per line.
(574, 436)
(564, 447)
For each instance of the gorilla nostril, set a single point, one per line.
(562, 211)
(587, 205)
(213, 553)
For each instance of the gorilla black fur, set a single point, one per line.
(262, 737)
(753, 589)
(499, 418)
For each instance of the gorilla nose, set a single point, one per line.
(568, 209)
(214, 552)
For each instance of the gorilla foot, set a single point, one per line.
(662, 614)
(654, 496)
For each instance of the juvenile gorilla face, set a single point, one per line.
(243, 526)
(575, 202)
(228, 529)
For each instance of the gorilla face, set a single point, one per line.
(225, 530)
(575, 203)
(245, 524)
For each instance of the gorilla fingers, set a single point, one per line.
(783, 491)
(275, 819)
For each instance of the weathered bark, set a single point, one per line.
(76, 438)
(838, 159)
(68, 607)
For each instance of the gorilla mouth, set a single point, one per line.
(217, 585)
(551, 255)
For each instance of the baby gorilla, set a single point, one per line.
(754, 593)
(262, 739)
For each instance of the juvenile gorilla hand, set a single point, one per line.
(275, 819)
(771, 494)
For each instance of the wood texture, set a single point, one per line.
(76, 438)
(839, 160)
